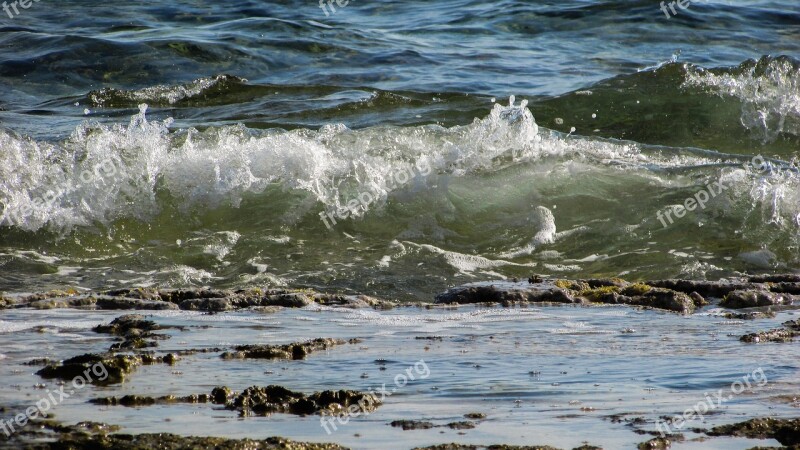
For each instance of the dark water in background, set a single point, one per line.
(261, 116)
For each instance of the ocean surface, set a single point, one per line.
(192, 143)
(395, 149)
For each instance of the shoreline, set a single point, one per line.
(139, 336)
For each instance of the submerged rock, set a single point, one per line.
(750, 315)
(785, 431)
(166, 441)
(138, 400)
(298, 350)
(775, 335)
(412, 424)
(456, 446)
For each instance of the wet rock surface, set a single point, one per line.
(412, 424)
(94, 368)
(790, 330)
(138, 400)
(739, 299)
(134, 332)
(785, 431)
(455, 446)
(425, 425)
(51, 435)
(263, 401)
(682, 296)
(209, 300)
(297, 350)
(277, 399)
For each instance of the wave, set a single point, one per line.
(768, 89)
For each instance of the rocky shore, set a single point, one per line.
(136, 339)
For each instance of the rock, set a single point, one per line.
(288, 300)
(752, 298)
(749, 315)
(298, 350)
(487, 293)
(6, 302)
(791, 278)
(136, 293)
(412, 424)
(776, 335)
(92, 367)
(698, 299)
(166, 441)
(785, 431)
(135, 401)
(658, 443)
(716, 289)
(122, 325)
(277, 399)
(111, 303)
(135, 331)
(221, 395)
(666, 299)
(206, 304)
(464, 425)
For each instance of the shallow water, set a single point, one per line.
(535, 372)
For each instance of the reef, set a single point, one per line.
(681, 296)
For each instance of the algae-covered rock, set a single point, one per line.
(666, 299)
(277, 399)
(93, 368)
(166, 441)
(752, 298)
(785, 431)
